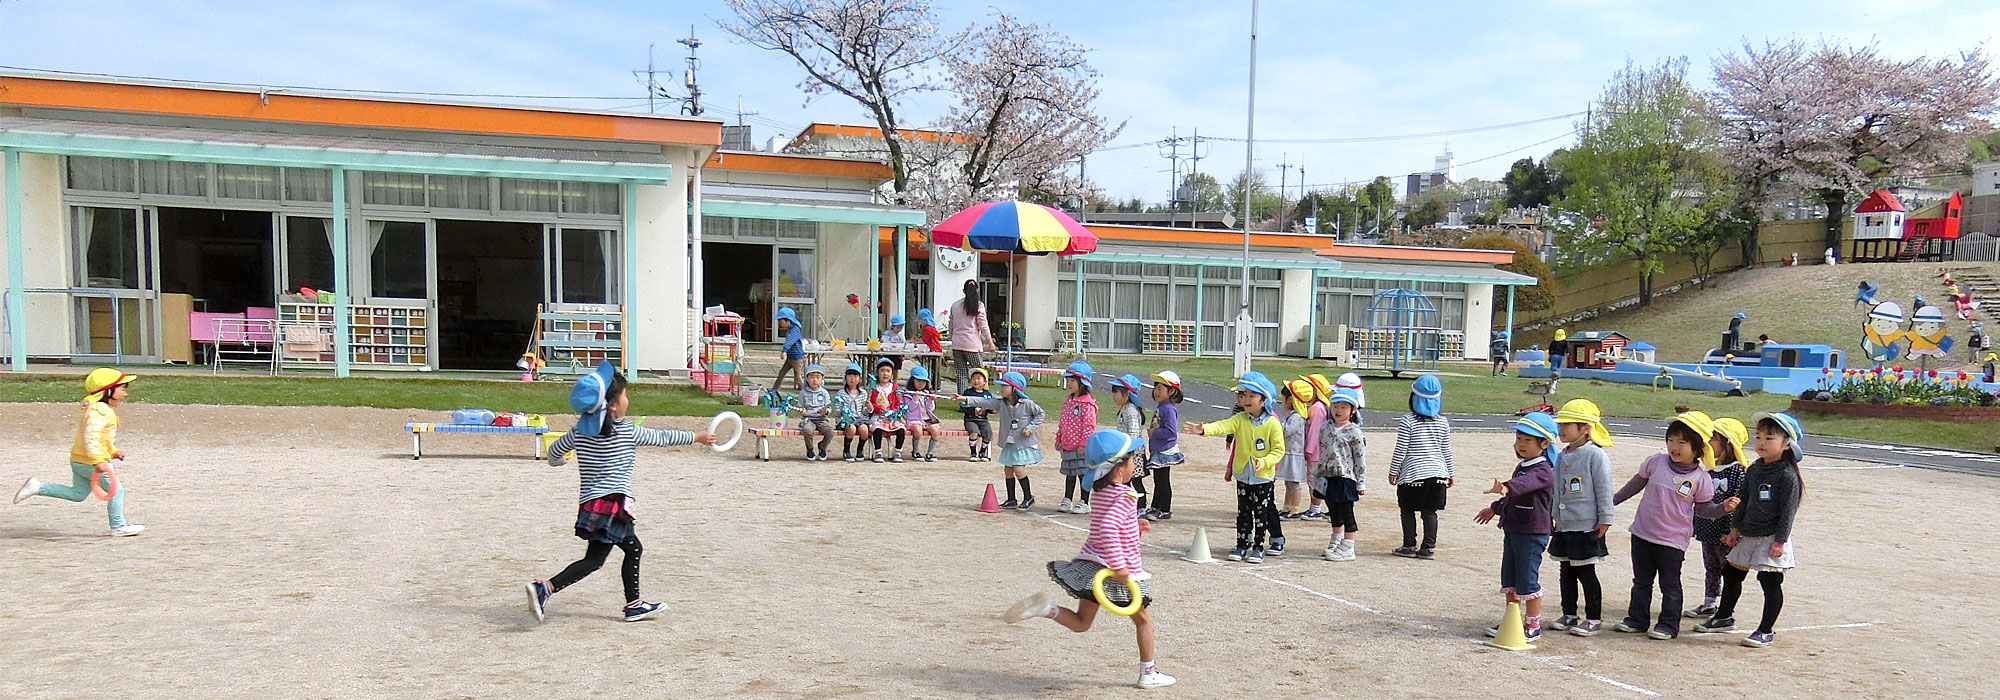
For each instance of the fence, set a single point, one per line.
(1977, 246)
(1612, 287)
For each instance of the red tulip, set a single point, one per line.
(1963, 375)
(1898, 368)
(1933, 374)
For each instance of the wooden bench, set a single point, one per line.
(417, 431)
(764, 436)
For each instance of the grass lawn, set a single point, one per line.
(419, 393)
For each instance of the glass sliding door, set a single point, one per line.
(306, 247)
(796, 276)
(114, 295)
(399, 260)
(582, 266)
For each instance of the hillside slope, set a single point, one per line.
(1811, 304)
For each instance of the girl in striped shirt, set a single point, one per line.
(1113, 543)
(603, 441)
(1422, 467)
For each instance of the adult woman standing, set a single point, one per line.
(970, 334)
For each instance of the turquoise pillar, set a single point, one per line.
(1197, 310)
(1076, 265)
(343, 324)
(874, 284)
(1510, 315)
(1312, 318)
(17, 288)
(628, 230)
(903, 274)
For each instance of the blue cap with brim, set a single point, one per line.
(1104, 448)
(919, 372)
(788, 314)
(586, 397)
(1427, 396)
(1080, 371)
(1255, 382)
(1015, 379)
(1795, 433)
(1541, 425)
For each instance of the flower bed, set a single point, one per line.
(1896, 392)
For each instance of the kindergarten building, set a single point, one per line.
(150, 222)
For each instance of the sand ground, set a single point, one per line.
(301, 553)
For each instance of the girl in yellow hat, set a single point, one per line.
(1676, 489)
(1583, 514)
(1730, 434)
(90, 454)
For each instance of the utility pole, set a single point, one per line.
(1171, 150)
(1194, 170)
(1240, 359)
(690, 105)
(693, 107)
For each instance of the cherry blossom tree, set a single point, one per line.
(1833, 121)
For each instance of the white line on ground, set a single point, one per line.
(1841, 626)
(1859, 467)
(1467, 420)
(1553, 661)
(1619, 425)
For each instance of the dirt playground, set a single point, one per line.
(301, 553)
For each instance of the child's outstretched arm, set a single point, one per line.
(1630, 489)
(560, 449)
(655, 437)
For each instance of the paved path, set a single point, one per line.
(1208, 402)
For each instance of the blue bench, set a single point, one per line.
(417, 431)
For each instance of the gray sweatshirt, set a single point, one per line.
(1012, 418)
(1583, 489)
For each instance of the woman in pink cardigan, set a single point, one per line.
(970, 334)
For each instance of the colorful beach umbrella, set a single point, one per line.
(1014, 227)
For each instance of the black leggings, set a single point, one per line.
(593, 558)
(1162, 492)
(879, 432)
(1342, 515)
(1430, 518)
(1773, 583)
(1593, 594)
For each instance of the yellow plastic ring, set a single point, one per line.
(1097, 589)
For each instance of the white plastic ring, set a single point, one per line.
(716, 424)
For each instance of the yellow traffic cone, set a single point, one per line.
(1513, 631)
(1198, 552)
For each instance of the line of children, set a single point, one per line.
(978, 424)
(1583, 514)
(1422, 467)
(1342, 471)
(1163, 446)
(92, 450)
(1073, 427)
(1112, 543)
(1020, 446)
(816, 413)
(1259, 444)
(603, 442)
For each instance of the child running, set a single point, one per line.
(794, 349)
(603, 441)
(1294, 400)
(1422, 468)
(1583, 514)
(1259, 446)
(1163, 445)
(1760, 535)
(978, 426)
(1113, 543)
(1019, 447)
(1676, 488)
(921, 414)
(850, 410)
(1730, 434)
(92, 449)
(886, 411)
(1073, 427)
(1524, 510)
(1341, 472)
(816, 409)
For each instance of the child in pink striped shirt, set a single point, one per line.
(1113, 543)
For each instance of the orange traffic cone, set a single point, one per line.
(991, 503)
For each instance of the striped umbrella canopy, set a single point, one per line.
(1014, 227)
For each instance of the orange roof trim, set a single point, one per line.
(799, 165)
(1397, 252)
(352, 111)
(869, 132)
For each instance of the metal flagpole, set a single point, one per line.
(1240, 361)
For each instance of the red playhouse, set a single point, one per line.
(1886, 231)
(1584, 347)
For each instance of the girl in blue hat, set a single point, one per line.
(1017, 418)
(920, 412)
(1525, 511)
(1073, 426)
(1113, 543)
(603, 441)
(1342, 471)
(1132, 421)
(850, 410)
(1422, 468)
(1253, 464)
(1760, 533)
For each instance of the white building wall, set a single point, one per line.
(1479, 322)
(948, 286)
(1036, 288)
(45, 255)
(658, 318)
(1295, 309)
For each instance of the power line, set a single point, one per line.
(313, 88)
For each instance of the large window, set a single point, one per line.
(585, 261)
(309, 253)
(1120, 299)
(109, 239)
(398, 261)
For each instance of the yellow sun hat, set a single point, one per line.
(1735, 433)
(1585, 411)
(1561, 334)
(1704, 427)
(1322, 386)
(1303, 392)
(103, 379)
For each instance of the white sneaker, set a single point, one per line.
(1080, 509)
(1332, 553)
(127, 530)
(28, 488)
(1155, 679)
(1347, 550)
(1064, 506)
(1037, 605)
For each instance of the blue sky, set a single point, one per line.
(1325, 70)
